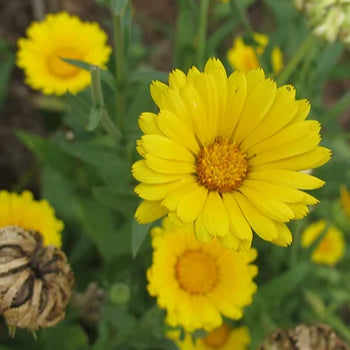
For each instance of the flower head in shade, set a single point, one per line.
(244, 57)
(61, 36)
(224, 155)
(221, 338)
(329, 19)
(23, 211)
(345, 200)
(331, 247)
(198, 283)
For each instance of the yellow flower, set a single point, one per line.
(225, 154)
(221, 338)
(23, 211)
(345, 199)
(244, 58)
(332, 246)
(61, 36)
(198, 283)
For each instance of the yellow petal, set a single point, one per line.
(230, 241)
(236, 98)
(303, 111)
(192, 204)
(148, 123)
(149, 211)
(159, 191)
(169, 166)
(299, 210)
(275, 209)
(165, 148)
(238, 223)
(143, 173)
(309, 160)
(172, 200)
(254, 77)
(176, 130)
(261, 224)
(257, 105)
(292, 179)
(200, 230)
(215, 216)
(157, 90)
(281, 113)
(177, 79)
(284, 235)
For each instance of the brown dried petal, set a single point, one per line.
(35, 280)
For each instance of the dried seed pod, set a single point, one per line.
(303, 337)
(35, 280)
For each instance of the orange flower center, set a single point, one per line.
(218, 337)
(60, 68)
(221, 166)
(197, 272)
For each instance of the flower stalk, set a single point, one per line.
(202, 31)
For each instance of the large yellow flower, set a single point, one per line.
(61, 36)
(221, 338)
(23, 211)
(225, 154)
(332, 246)
(198, 283)
(244, 58)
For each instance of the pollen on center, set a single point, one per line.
(221, 166)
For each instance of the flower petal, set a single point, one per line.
(215, 216)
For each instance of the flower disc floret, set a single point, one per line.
(225, 154)
(61, 36)
(198, 283)
(29, 214)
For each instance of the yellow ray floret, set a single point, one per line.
(23, 211)
(61, 36)
(198, 283)
(330, 249)
(224, 154)
(221, 338)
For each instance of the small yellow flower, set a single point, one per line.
(61, 36)
(221, 338)
(244, 58)
(23, 211)
(224, 155)
(345, 200)
(332, 246)
(198, 283)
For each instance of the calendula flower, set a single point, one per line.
(221, 338)
(244, 58)
(329, 19)
(198, 283)
(332, 246)
(224, 154)
(345, 200)
(23, 211)
(61, 36)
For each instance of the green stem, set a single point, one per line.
(237, 9)
(120, 69)
(294, 254)
(296, 59)
(202, 32)
(98, 101)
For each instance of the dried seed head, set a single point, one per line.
(302, 337)
(35, 280)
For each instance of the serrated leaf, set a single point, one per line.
(139, 233)
(119, 200)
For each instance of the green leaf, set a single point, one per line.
(47, 152)
(100, 225)
(112, 169)
(95, 117)
(139, 233)
(148, 75)
(120, 200)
